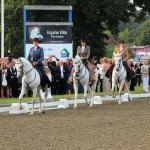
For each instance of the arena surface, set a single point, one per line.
(104, 127)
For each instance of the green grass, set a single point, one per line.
(138, 89)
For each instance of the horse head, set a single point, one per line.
(19, 68)
(77, 65)
(118, 60)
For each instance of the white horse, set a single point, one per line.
(30, 80)
(119, 76)
(81, 78)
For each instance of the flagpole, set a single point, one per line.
(2, 28)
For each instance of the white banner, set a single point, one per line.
(62, 51)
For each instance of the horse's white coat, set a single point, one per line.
(119, 76)
(81, 78)
(30, 79)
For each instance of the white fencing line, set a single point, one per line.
(63, 103)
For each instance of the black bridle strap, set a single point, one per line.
(31, 81)
(80, 78)
(120, 75)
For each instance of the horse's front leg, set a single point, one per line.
(120, 90)
(92, 94)
(33, 100)
(85, 93)
(76, 94)
(21, 96)
(128, 89)
(40, 98)
(45, 99)
(112, 89)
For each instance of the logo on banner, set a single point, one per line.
(34, 32)
(64, 53)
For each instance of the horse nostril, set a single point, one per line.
(76, 75)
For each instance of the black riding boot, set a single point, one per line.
(128, 71)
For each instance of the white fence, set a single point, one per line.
(64, 103)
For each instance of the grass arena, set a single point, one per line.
(104, 127)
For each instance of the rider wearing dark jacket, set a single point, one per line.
(36, 56)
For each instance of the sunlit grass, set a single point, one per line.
(138, 89)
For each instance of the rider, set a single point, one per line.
(84, 52)
(120, 49)
(36, 56)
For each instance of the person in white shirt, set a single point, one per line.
(145, 75)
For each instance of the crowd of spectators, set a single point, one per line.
(139, 75)
(61, 71)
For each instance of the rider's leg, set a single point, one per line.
(91, 72)
(128, 70)
(109, 71)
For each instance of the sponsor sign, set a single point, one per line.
(54, 39)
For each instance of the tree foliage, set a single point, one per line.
(90, 20)
(142, 34)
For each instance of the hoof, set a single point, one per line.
(91, 106)
(130, 100)
(75, 107)
(31, 114)
(20, 107)
(43, 111)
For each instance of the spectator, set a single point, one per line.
(55, 79)
(110, 62)
(62, 75)
(106, 83)
(149, 76)
(131, 66)
(69, 85)
(138, 72)
(145, 75)
(4, 82)
(15, 86)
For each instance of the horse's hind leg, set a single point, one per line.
(40, 99)
(112, 89)
(45, 98)
(33, 100)
(93, 93)
(128, 89)
(85, 93)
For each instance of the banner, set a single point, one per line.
(54, 39)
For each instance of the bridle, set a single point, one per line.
(80, 69)
(120, 64)
(25, 73)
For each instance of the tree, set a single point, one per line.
(90, 19)
(142, 34)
